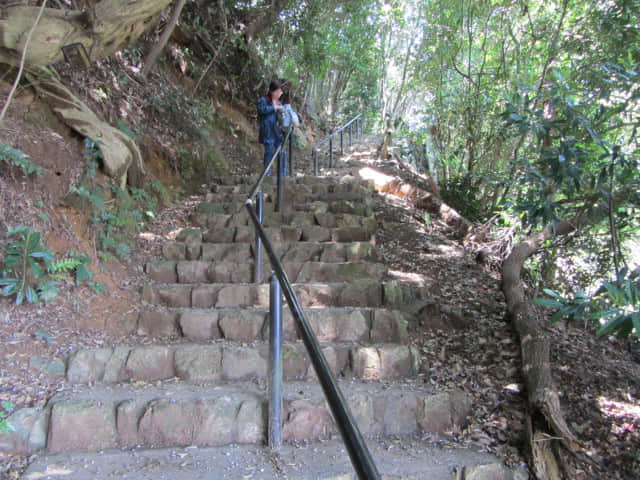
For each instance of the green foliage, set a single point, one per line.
(115, 213)
(24, 265)
(30, 270)
(463, 194)
(614, 307)
(5, 409)
(17, 158)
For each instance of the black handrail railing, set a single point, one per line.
(357, 121)
(358, 452)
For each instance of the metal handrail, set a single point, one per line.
(358, 452)
(329, 139)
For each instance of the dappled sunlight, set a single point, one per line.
(379, 178)
(408, 277)
(618, 409)
(154, 237)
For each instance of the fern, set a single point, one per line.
(30, 270)
(17, 158)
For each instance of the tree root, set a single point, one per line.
(122, 159)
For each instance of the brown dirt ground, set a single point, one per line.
(469, 345)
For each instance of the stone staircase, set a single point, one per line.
(197, 377)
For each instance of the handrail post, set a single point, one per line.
(350, 135)
(257, 267)
(291, 153)
(331, 152)
(275, 363)
(279, 180)
(315, 162)
(341, 142)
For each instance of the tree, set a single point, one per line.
(103, 29)
(153, 54)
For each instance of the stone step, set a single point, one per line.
(212, 215)
(326, 460)
(230, 251)
(232, 361)
(359, 293)
(248, 181)
(249, 325)
(198, 271)
(169, 414)
(285, 233)
(301, 209)
(296, 198)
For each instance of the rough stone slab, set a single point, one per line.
(330, 324)
(244, 363)
(174, 251)
(158, 322)
(200, 325)
(351, 234)
(389, 326)
(245, 325)
(192, 272)
(149, 363)
(81, 425)
(315, 233)
(198, 363)
(189, 235)
(162, 271)
(170, 295)
(29, 431)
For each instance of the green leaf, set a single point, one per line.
(547, 302)
(82, 273)
(31, 294)
(48, 291)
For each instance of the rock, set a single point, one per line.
(239, 363)
(191, 235)
(251, 422)
(243, 325)
(28, 431)
(192, 272)
(81, 425)
(149, 364)
(400, 414)
(167, 423)
(200, 325)
(305, 421)
(158, 322)
(88, 365)
(216, 422)
(164, 272)
(198, 362)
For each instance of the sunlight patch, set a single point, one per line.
(51, 470)
(614, 408)
(378, 178)
(408, 277)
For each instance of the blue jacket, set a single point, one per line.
(270, 131)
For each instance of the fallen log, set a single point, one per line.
(550, 441)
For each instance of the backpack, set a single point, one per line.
(287, 118)
(283, 120)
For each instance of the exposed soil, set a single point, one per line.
(465, 341)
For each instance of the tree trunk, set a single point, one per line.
(549, 437)
(153, 54)
(107, 27)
